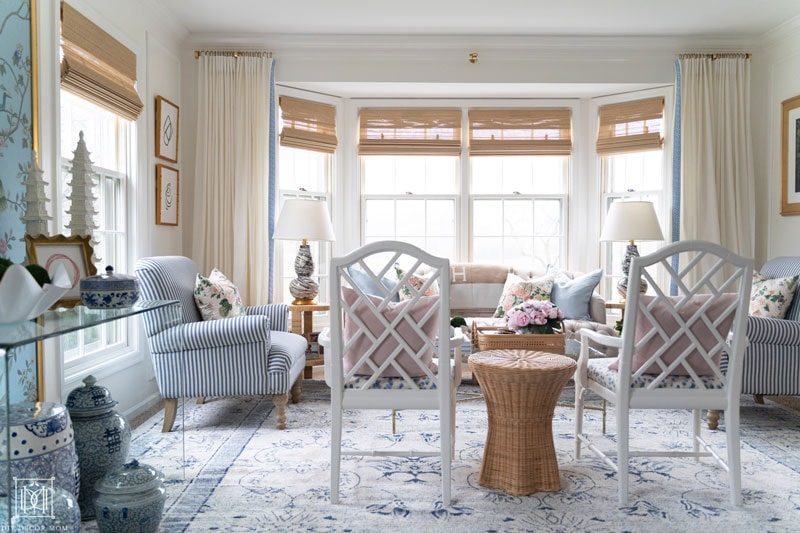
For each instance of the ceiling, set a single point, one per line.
(485, 17)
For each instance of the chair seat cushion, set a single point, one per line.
(423, 383)
(600, 372)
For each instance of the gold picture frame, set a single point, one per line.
(167, 122)
(790, 156)
(167, 197)
(74, 252)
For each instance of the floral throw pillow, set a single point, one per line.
(416, 281)
(771, 298)
(217, 297)
(518, 290)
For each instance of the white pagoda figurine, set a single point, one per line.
(35, 217)
(82, 198)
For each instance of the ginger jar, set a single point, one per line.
(102, 438)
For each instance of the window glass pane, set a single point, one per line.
(487, 218)
(379, 219)
(519, 174)
(385, 174)
(303, 169)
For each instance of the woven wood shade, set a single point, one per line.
(630, 126)
(308, 125)
(97, 67)
(407, 131)
(520, 132)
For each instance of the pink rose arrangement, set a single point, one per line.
(535, 316)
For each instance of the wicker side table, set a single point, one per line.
(521, 390)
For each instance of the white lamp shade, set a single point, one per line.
(304, 220)
(631, 221)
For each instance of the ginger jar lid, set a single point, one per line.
(91, 399)
(132, 477)
(110, 280)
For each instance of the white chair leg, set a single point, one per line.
(734, 454)
(446, 447)
(696, 432)
(622, 454)
(578, 418)
(336, 453)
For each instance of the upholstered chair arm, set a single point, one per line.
(212, 334)
(277, 313)
(761, 330)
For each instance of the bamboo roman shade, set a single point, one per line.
(630, 126)
(97, 67)
(541, 131)
(308, 125)
(409, 131)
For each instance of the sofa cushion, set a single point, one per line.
(771, 297)
(517, 290)
(366, 315)
(574, 295)
(367, 284)
(217, 297)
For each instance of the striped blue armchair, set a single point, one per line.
(772, 359)
(246, 355)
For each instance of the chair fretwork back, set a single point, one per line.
(696, 332)
(385, 337)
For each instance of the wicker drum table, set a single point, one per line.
(521, 389)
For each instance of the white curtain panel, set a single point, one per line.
(232, 171)
(717, 175)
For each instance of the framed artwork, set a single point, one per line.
(790, 157)
(166, 195)
(74, 252)
(166, 129)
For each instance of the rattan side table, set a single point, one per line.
(521, 389)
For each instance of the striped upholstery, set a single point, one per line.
(252, 354)
(772, 359)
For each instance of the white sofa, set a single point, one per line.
(475, 291)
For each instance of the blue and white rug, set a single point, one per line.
(244, 475)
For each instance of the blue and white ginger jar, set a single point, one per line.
(130, 499)
(102, 438)
(109, 290)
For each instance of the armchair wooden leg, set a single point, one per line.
(759, 398)
(170, 410)
(297, 389)
(712, 418)
(201, 400)
(280, 401)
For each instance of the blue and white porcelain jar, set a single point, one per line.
(130, 499)
(102, 438)
(41, 445)
(109, 290)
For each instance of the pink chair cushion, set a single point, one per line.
(662, 316)
(366, 314)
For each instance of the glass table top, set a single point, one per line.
(60, 321)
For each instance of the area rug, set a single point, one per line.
(244, 475)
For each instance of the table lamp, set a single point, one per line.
(304, 220)
(631, 221)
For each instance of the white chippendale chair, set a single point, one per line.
(381, 353)
(676, 352)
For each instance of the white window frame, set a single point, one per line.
(661, 198)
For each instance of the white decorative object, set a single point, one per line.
(35, 217)
(82, 198)
(21, 297)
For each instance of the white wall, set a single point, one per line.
(777, 81)
(154, 37)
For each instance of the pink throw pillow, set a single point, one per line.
(367, 316)
(662, 317)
